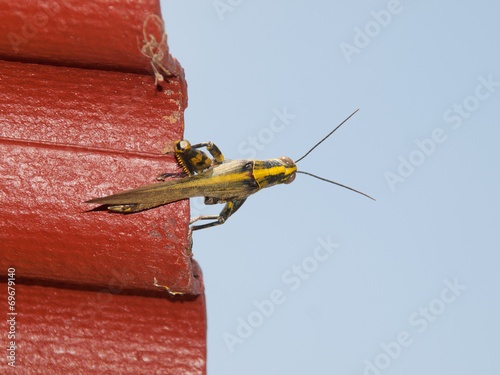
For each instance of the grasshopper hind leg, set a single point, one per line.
(230, 208)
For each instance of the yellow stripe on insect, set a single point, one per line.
(271, 172)
(261, 175)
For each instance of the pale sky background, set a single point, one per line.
(410, 284)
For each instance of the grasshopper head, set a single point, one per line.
(274, 171)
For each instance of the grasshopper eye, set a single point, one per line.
(287, 161)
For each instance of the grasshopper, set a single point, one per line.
(218, 180)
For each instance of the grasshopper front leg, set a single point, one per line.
(192, 160)
(213, 149)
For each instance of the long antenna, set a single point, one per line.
(335, 183)
(317, 144)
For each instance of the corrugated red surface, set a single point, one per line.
(80, 117)
(68, 135)
(100, 34)
(61, 331)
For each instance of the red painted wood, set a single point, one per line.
(80, 117)
(63, 331)
(91, 134)
(101, 33)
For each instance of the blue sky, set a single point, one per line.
(310, 277)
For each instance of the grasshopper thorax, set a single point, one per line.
(274, 171)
